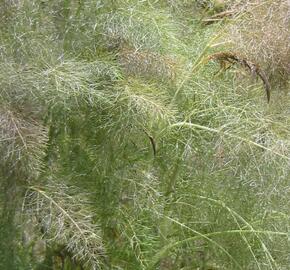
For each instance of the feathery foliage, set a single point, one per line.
(123, 147)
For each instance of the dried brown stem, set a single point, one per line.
(152, 141)
(233, 58)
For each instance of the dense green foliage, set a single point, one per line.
(123, 146)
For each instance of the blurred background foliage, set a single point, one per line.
(126, 143)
